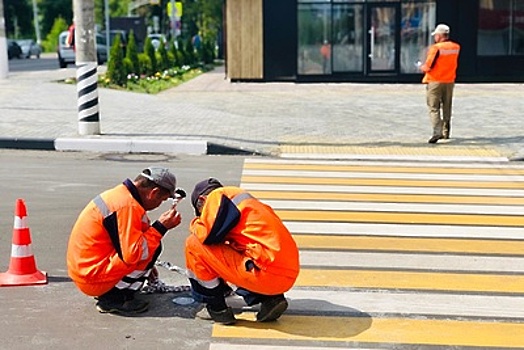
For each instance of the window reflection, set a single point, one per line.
(314, 38)
(501, 27)
(418, 21)
(348, 38)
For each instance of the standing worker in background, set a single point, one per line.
(440, 70)
(237, 239)
(113, 245)
(70, 38)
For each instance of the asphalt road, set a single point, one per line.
(55, 187)
(47, 61)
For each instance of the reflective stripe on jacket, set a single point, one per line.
(111, 238)
(441, 63)
(232, 216)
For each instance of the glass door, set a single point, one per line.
(382, 48)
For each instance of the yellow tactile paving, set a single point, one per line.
(379, 330)
(411, 280)
(429, 150)
(397, 244)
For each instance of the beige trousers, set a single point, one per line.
(440, 96)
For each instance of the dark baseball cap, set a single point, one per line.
(162, 177)
(201, 188)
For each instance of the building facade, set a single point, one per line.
(370, 40)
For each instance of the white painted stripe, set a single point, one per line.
(384, 189)
(413, 303)
(20, 222)
(406, 230)
(397, 207)
(385, 175)
(425, 158)
(21, 251)
(136, 285)
(122, 285)
(388, 164)
(87, 97)
(137, 274)
(412, 261)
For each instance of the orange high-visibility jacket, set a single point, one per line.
(441, 62)
(232, 216)
(111, 238)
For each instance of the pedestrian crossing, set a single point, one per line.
(394, 254)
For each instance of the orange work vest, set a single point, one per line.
(113, 218)
(232, 216)
(442, 62)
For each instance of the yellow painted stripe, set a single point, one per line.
(380, 182)
(386, 169)
(429, 245)
(396, 198)
(378, 330)
(401, 218)
(411, 280)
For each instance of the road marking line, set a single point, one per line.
(411, 280)
(379, 330)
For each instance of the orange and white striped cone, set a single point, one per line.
(22, 268)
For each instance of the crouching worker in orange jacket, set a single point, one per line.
(113, 245)
(237, 239)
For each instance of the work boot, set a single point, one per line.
(435, 138)
(133, 306)
(225, 316)
(272, 308)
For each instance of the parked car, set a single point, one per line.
(13, 49)
(29, 48)
(117, 33)
(66, 54)
(157, 39)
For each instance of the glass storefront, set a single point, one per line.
(363, 37)
(501, 28)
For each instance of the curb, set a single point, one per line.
(190, 147)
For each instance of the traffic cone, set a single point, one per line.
(22, 268)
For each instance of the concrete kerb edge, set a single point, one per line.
(191, 147)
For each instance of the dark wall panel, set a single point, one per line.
(280, 40)
(462, 17)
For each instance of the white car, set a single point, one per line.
(29, 48)
(66, 54)
(157, 40)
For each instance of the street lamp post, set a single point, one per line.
(4, 66)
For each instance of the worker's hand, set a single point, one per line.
(170, 218)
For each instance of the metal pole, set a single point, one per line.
(37, 25)
(173, 20)
(86, 71)
(4, 65)
(108, 36)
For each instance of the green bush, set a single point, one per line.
(191, 57)
(132, 54)
(144, 61)
(208, 52)
(129, 67)
(174, 55)
(116, 71)
(50, 42)
(163, 61)
(149, 50)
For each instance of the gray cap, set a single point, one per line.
(162, 177)
(441, 29)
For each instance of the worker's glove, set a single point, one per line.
(250, 265)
